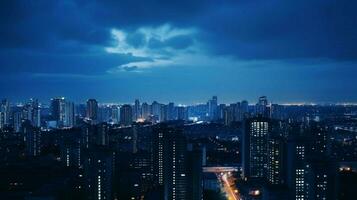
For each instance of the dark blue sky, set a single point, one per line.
(183, 51)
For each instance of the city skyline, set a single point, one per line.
(178, 99)
(184, 51)
(252, 102)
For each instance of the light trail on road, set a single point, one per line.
(228, 187)
(226, 179)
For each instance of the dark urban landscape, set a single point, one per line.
(62, 150)
(178, 100)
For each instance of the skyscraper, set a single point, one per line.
(69, 120)
(319, 133)
(276, 160)
(322, 178)
(194, 173)
(137, 110)
(4, 113)
(145, 110)
(171, 111)
(228, 115)
(169, 153)
(115, 114)
(297, 168)
(58, 110)
(255, 149)
(32, 138)
(244, 108)
(181, 113)
(92, 110)
(35, 112)
(17, 120)
(156, 109)
(102, 135)
(126, 115)
(98, 173)
(212, 108)
(262, 107)
(71, 152)
(163, 113)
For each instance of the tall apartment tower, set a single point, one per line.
(255, 147)
(98, 173)
(212, 108)
(169, 149)
(276, 159)
(92, 109)
(137, 110)
(4, 113)
(32, 138)
(126, 115)
(297, 168)
(58, 110)
(69, 120)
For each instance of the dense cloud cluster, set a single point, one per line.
(102, 38)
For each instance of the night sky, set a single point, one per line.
(183, 50)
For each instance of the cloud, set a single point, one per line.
(152, 41)
(279, 29)
(159, 45)
(199, 40)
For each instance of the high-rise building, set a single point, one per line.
(169, 153)
(104, 113)
(69, 120)
(98, 173)
(319, 133)
(322, 179)
(137, 110)
(71, 152)
(262, 107)
(156, 109)
(212, 108)
(4, 113)
(297, 168)
(276, 160)
(126, 115)
(32, 138)
(163, 113)
(87, 135)
(255, 147)
(115, 114)
(102, 135)
(182, 113)
(35, 112)
(31, 111)
(17, 120)
(2, 120)
(194, 173)
(58, 110)
(145, 110)
(221, 111)
(228, 115)
(238, 115)
(171, 111)
(92, 110)
(244, 109)
(135, 138)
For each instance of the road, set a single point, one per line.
(228, 185)
(226, 180)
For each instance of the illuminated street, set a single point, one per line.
(228, 186)
(226, 180)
